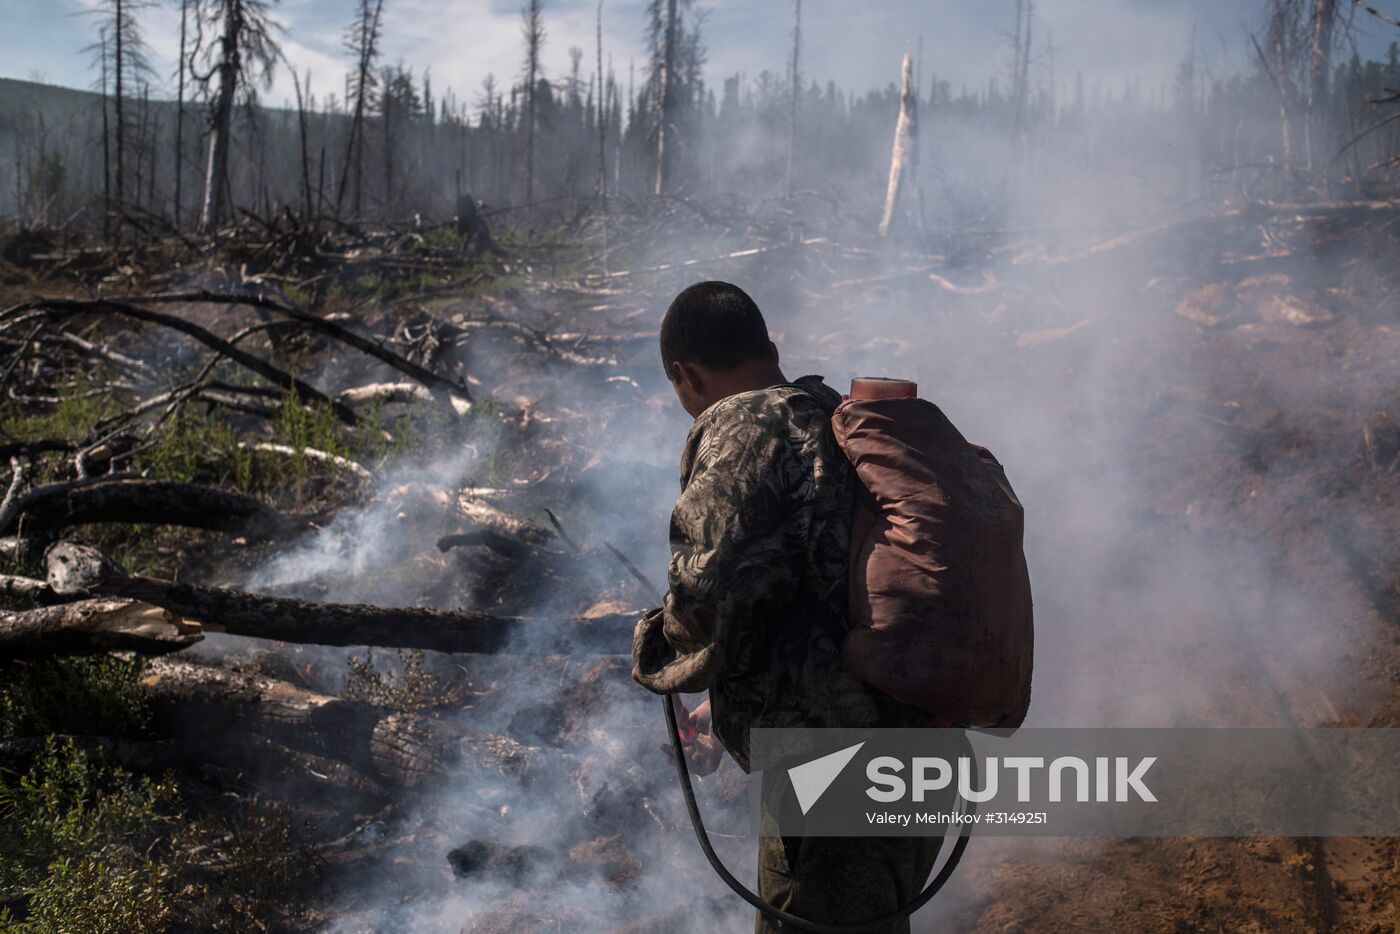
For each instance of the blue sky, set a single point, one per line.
(857, 44)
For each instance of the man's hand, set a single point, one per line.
(703, 753)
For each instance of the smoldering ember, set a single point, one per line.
(340, 459)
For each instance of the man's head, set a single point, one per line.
(714, 343)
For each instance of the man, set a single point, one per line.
(757, 603)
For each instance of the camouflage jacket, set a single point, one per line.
(756, 609)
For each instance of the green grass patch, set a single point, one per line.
(73, 416)
(200, 447)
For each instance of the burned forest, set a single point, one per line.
(337, 457)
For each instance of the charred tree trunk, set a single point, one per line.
(665, 123)
(27, 588)
(180, 118)
(221, 124)
(120, 20)
(1324, 15)
(386, 114)
(81, 569)
(141, 149)
(1020, 71)
(306, 207)
(403, 748)
(1281, 81)
(89, 627)
(602, 117)
(53, 506)
(154, 157)
(533, 25)
(904, 157)
(366, 41)
(106, 150)
(794, 96)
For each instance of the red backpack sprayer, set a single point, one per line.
(940, 597)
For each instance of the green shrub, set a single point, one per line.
(97, 695)
(79, 836)
(98, 850)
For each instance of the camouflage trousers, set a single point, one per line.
(836, 879)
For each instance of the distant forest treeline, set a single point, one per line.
(1021, 148)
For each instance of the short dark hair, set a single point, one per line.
(714, 324)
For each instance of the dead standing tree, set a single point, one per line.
(1283, 38)
(1020, 70)
(362, 39)
(1324, 16)
(119, 95)
(795, 93)
(123, 58)
(666, 102)
(103, 54)
(904, 158)
(602, 121)
(180, 113)
(388, 118)
(127, 57)
(532, 25)
(602, 127)
(302, 135)
(245, 43)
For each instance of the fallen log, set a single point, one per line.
(444, 387)
(17, 550)
(27, 588)
(82, 569)
(486, 516)
(538, 339)
(508, 546)
(396, 392)
(684, 264)
(88, 627)
(267, 371)
(132, 365)
(315, 454)
(53, 506)
(405, 749)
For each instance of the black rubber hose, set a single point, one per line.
(777, 914)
